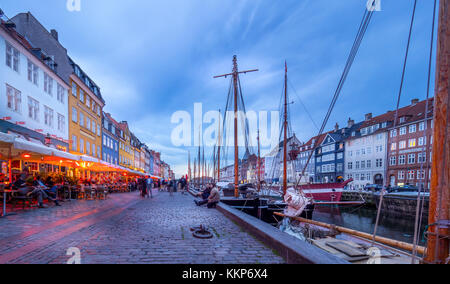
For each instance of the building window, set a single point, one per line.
(339, 167)
(412, 128)
(411, 175)
(412, 143)
(88, 122)
(33, 109)
(98, 152)
(379, 163)
(401, 175)
(81, 118)
(61, 123)
(74, 143)
(363, 164)
(369, 164)
(401, 159)
(33, 74)
(394, 133)
(421, 174)
(357, 165)
(48, 84)
(379, 149)
(422, 141)
(411, 159)
(81, 145)
(421, 157)
(74, 114)
(88, 147)
(61, 92)
(402, 145)
(14, 99)
(393, 146)
(12, 57)
(393, 161)
(93, 150)
(403, 131)
(422, 126)
(48, 116)
(74, 89)
(81, 95)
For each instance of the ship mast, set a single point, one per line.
(189, 168)
(438, 232)
(235, 75)
(259, 165)
(285, 134)
(218, 149)
(199, 160)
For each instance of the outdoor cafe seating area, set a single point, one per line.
(73, 177)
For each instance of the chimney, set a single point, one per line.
(336, 127)
(351, 122)
(54, 34)
(368, 116)
(414, 101)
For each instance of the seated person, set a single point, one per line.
(204, 195)
(214, 197)
(25, 188)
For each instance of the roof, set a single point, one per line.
(317, 139)
(36, 52)
(110, 118)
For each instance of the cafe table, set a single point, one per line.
(5, 194)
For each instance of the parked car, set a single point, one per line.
(373, 187)
(405, 188)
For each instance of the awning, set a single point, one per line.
(21, 144)
(6, 138)
(65, 155)
(89, 159)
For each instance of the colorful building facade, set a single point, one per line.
(85, 111)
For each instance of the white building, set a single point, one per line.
(31, 94)
(274, 162)
(366, 152)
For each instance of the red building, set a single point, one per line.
(410, 145)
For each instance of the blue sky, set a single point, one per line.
(152, 58)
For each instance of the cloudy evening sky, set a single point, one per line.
(152, 58)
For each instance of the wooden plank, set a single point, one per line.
(347, 249)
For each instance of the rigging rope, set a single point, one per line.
(419, 212)
(398, 106)
(367, 16)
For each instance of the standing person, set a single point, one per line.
(183, 185)
(149, 183)
(171, 186)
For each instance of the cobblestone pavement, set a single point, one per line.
(127, 229)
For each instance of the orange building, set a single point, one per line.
(85, 113)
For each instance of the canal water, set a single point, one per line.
(363, 219)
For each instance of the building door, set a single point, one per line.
(378, 179)
(392, 181)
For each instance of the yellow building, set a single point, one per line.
(126, 154)
(85, 112)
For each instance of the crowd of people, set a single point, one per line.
(46, 189)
